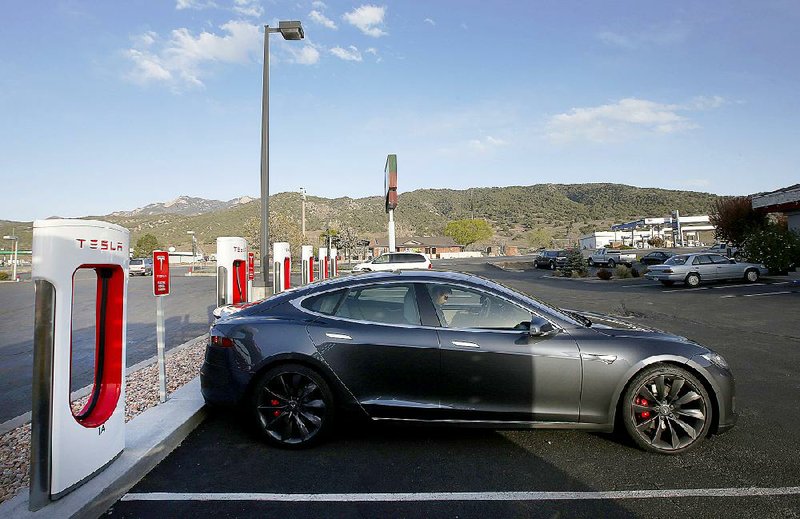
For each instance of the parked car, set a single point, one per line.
(395, 261)
(657, 257)
(611, 258)
(550, 259)
(455, 349)
(140, 267)
(724, 249)
(692, 269)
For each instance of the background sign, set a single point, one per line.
(160, 273)
(251, 266)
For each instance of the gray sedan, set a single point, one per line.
(694, 268)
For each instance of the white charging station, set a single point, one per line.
(70, 446)
(334, 263)
(324, 262)
(232, 285)
(282, 267)
(307, 260)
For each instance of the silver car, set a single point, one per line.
(694, 268)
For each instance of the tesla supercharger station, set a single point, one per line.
(251, 273)
(307, 260)
(324, 262)
(232, 282)
(282, 267)
(334, 262)
(69, 446)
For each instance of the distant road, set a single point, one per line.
(187, 315)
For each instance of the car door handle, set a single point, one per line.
(465, 344)
(607, 359)
(338, 336)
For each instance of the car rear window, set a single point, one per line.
(136, 262)
(324, 303)
(677, 260)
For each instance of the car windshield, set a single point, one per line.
(677, 260)
(137, 262)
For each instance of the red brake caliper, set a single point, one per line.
(644, 414)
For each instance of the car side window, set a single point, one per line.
(324, 303)
(381, 259)
(460, 307)
(717, 259)
(385, 303)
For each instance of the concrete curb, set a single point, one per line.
(149, 438)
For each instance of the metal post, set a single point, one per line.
(265, 164)
(162, 370)
(16, 247)
(303, 205)
(391, 231)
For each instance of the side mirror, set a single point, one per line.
(540, 327)
(732, 261)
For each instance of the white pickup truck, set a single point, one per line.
(611, 258)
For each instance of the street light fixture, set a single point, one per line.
(16, 241)
(290, 30)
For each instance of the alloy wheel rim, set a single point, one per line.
(291, 408)
(669, 412)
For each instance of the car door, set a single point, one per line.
(372, 339)
(725, 269)
(492, 370)
(703, 265)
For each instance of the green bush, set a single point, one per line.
(4, 276)
(773, 245)
(639, 272)
(604, 274)
(622, 272)
(575, 263)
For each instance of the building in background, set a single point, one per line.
(432, 246)
(684, 230)
(786, 201)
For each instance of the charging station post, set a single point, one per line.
(161, 289)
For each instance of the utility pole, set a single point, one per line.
(303, 210)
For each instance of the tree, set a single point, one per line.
(467, 232)
(656, 241)
(145, 246)
(734, 218)
(576, 264)
(540, 238)
(282, 228)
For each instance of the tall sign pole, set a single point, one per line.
(390, 192)
(161, 289)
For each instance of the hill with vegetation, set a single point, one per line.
(566, 211)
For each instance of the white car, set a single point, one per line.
(395, 261)
(141, 267)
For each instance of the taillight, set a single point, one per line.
(430, 266)
(667, 271)
(219, 340)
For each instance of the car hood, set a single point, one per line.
(619, 327)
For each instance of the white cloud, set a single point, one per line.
(180, 61)
(659, 35)
(317, 4)
(349, 54)
(372, 50)
(321, 19)
(194, 4)
(145, 40)
(429, 21)
(307, 55)
(248, 8)
(486, 144)
(368, 19)
(625, 119)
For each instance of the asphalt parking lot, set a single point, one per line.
(365, 470)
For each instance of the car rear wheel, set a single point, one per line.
(611, 264)
(693, 279)
(293, 406)
(751, 275)
(535, 264)
(667, 283)
(667, 410)
(591, 262)
(552, 265)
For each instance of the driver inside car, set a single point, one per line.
(440, 294)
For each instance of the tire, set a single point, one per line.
(667, 283)
(552, 266)
(693, 279)
(293, 406)
(366, 270)
(666, 410)
(591, 262)
(751, 275)
(611, 264)
(535, 264)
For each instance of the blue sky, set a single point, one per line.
(112, 105)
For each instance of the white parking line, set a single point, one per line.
(718, 287)
(762, 294)
(465, 496)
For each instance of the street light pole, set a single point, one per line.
(15, 238)
(290, 30)
(303, 210)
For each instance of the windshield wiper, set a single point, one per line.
(580, 318)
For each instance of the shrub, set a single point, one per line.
(622, 272)
(656, 241)
(576, 274)
(604, 274)
(575, 263)
(4, 276)
(775, 246)
(639, 272)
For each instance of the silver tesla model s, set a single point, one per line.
(450, 348)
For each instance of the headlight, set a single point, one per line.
(717, 360)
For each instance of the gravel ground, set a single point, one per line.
(141, 394)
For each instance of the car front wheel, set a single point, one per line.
(293, 406)
(667, 410)
(591, 262)
(611, 264)
(751, 275)
(693, 280)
